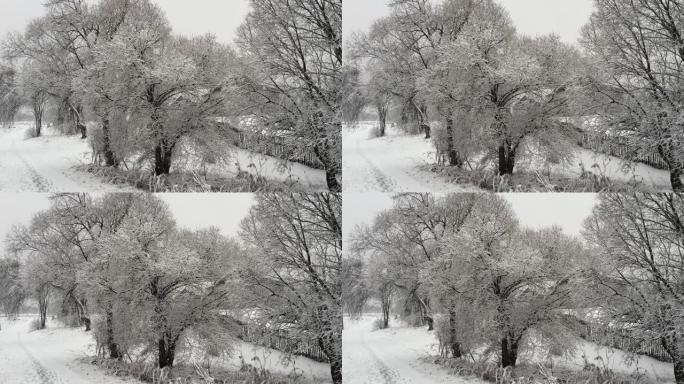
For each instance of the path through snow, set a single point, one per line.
(50, 356)
(391, 356)
(45, 164)
(389, 164)
(394, 356)
(393, 164)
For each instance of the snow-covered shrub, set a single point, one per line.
(378, 324)
(374, 132)
(34, 325)
(30, 133)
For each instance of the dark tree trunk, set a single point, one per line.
(676, 171)
(382, 117)
(426, 129)
(670, 343)
(82, 129)
(330, 165)
(454, 344)
(82, 316)
(80, 126)
(42, 307)
(167, 351)
(331, 180)
(86, 323)
(676, 179)
(39, 122)
(336, 372)
(506, 159)
(163, 155)
(386, 303)
(334, 356)
(110, 157)
(112, 346)
(454, 158)
(679, 371)
(430, 322)
(509, 352)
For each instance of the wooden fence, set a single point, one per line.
(282, 341)
(277, 147)
(613, 147)
(624, 339)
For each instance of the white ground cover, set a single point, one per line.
(275, 361)
(50, 356)
(391, 356)
(46, 164)
(389, 164)
(55, 356)
(395, 356)
(49, 164)
(393, 164)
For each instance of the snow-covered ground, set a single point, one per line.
(389, 164)
(50, 356)
(604, 165)
(45, 164)
(395, 355)
(291, 173)
(55, 356)
(391, 356)
(49, 164)
(393, 164)
(276, 361)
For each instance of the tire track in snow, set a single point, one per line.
(40, 182)
(385, 183)
(389, 375)
(45, 375)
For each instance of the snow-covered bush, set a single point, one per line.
(35, 325)
(378, 324)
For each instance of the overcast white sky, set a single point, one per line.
(188, 17)
(192, 211)
(534, 210)
(531, 17)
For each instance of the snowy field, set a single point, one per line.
(276, 361)
(46, 164)
(49, 164)
(391, 356)
(395, 356)
(392, 164)
(51, 356)
(54, 356)
(290, 173)
(389, 164)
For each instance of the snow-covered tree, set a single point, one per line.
(406, 238)
(636, 80)
(636, 277)
(12, 289)
(34, 90)
(292, 74)
(296, 267)
(10, 98)
(170, 86)
(161, 281)
(402, 45)
(353, 97)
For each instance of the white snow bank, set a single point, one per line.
(46, 163)
(395, 355)
(391, 356)
(49, 356)
(391, 163)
